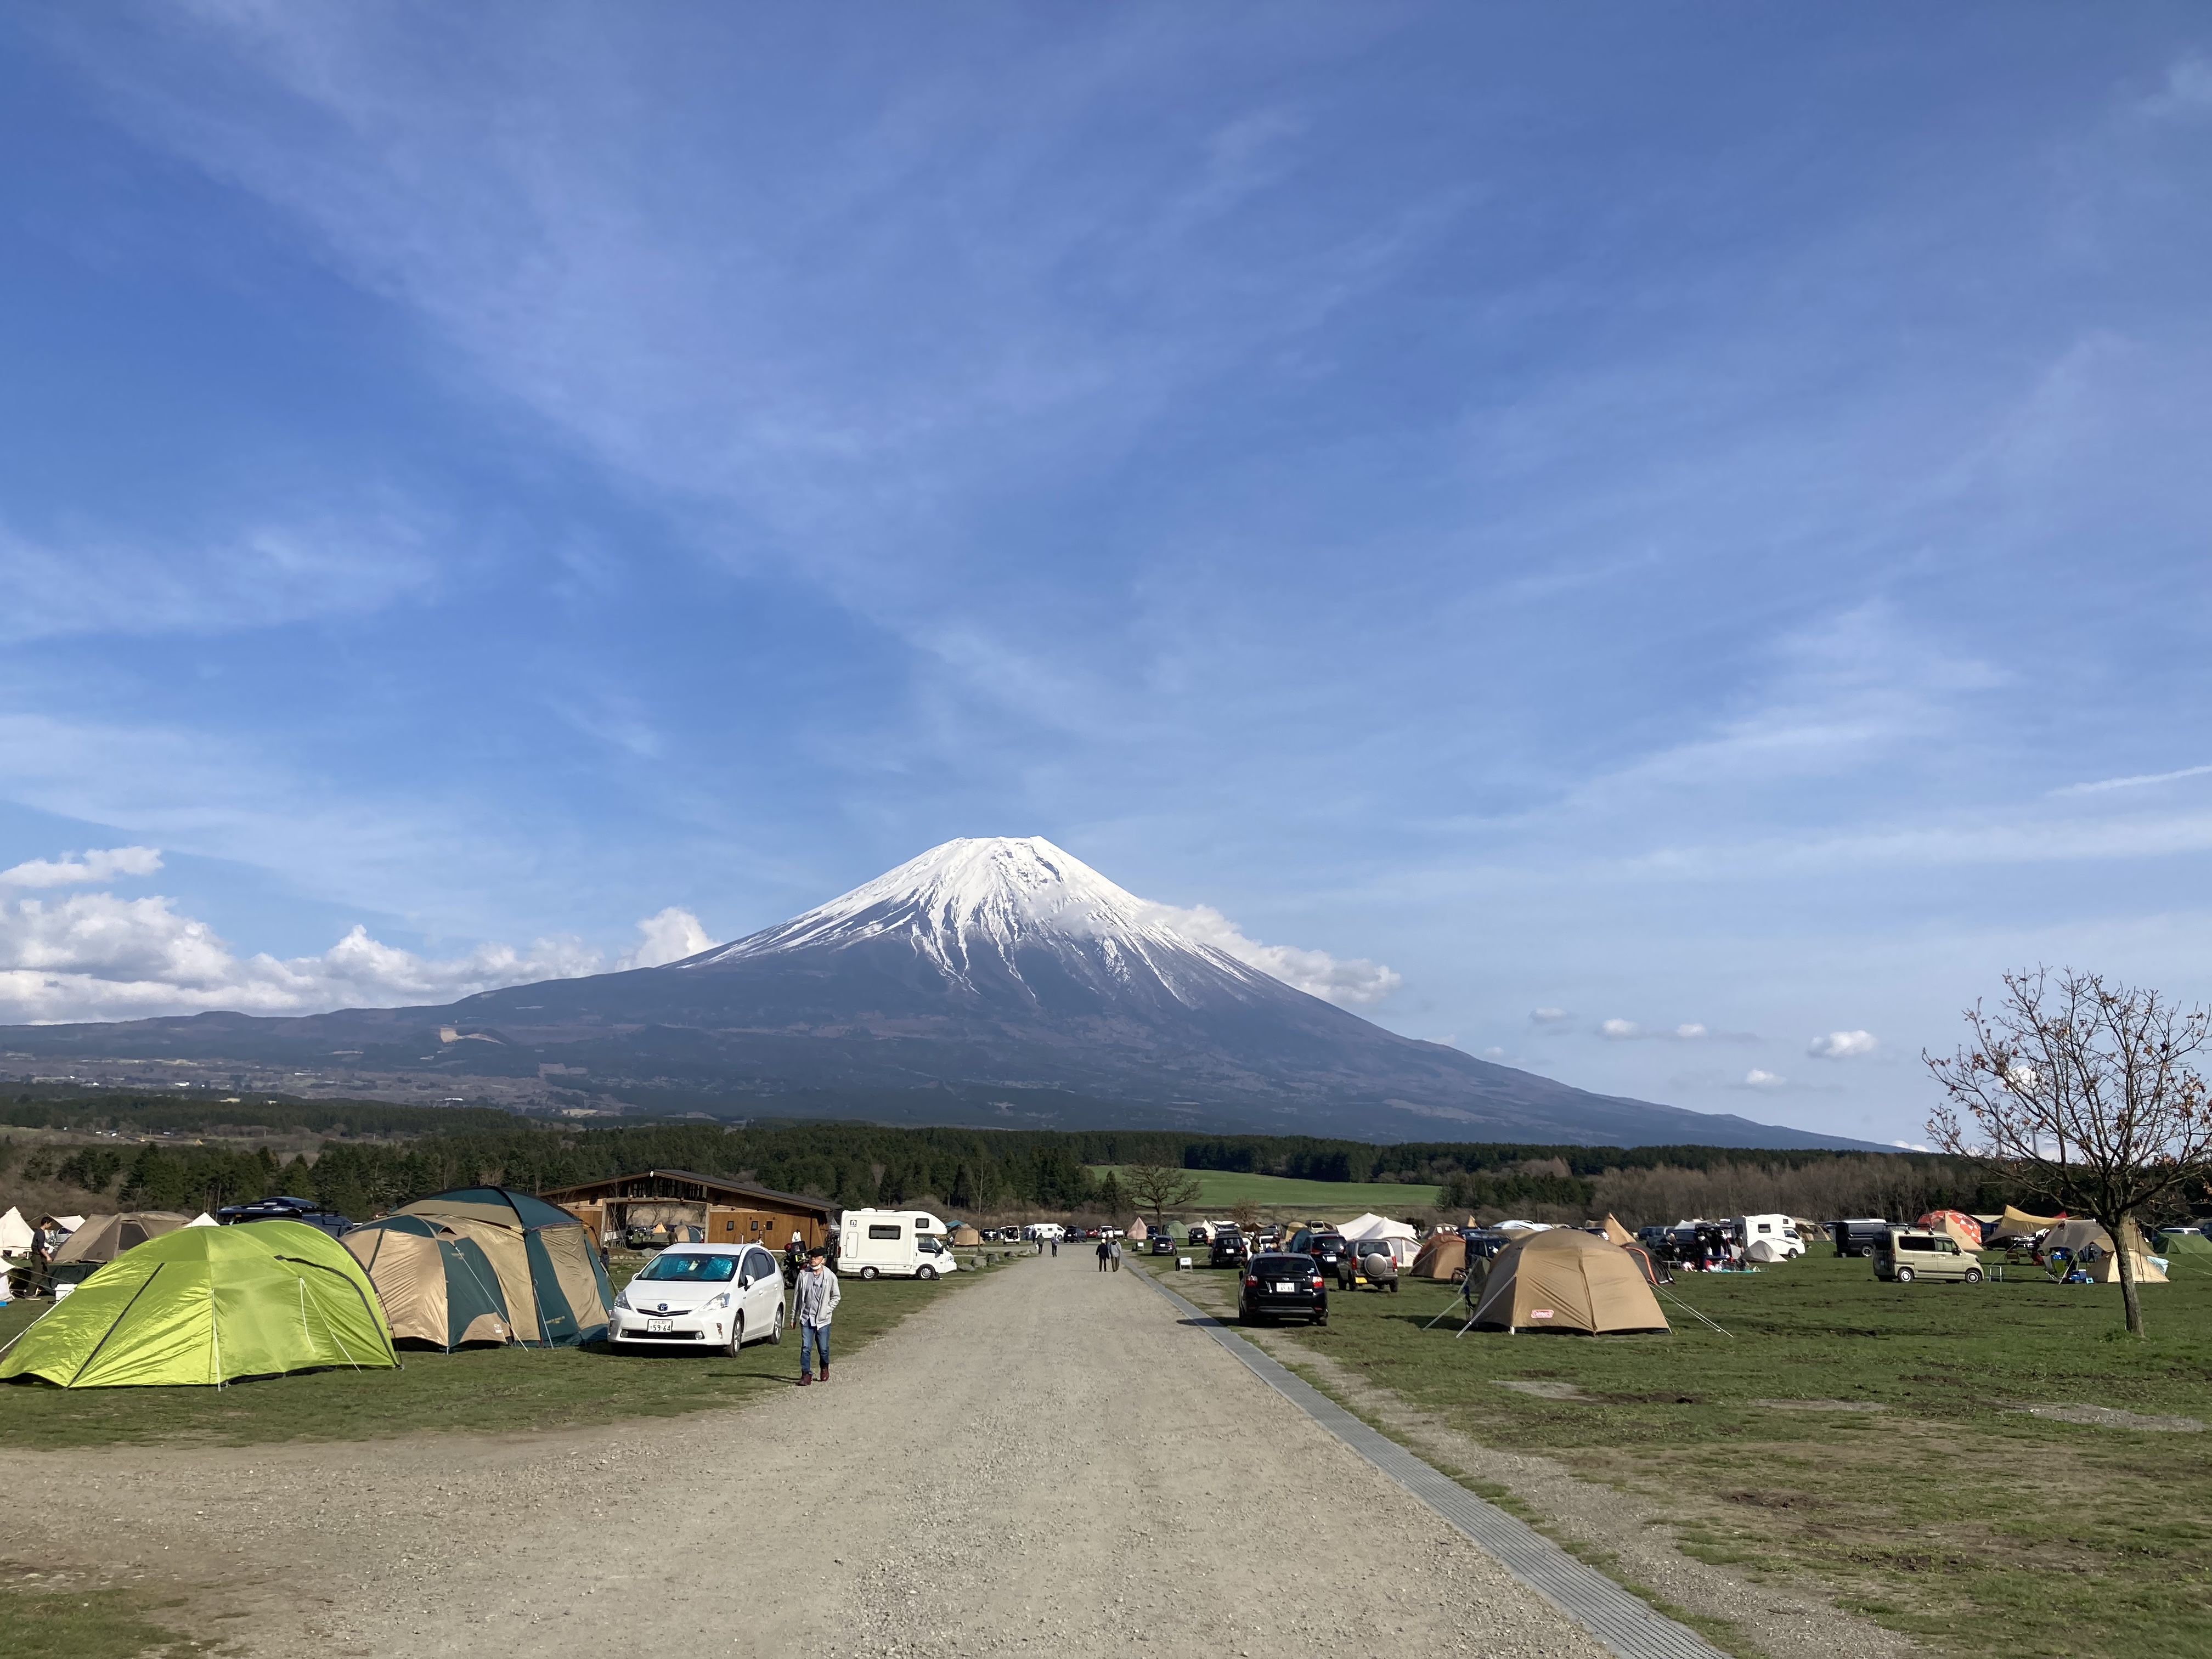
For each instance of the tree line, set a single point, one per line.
(377, 1156)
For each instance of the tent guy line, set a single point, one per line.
(1625, 1625)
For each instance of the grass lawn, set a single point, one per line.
(497, 1390)
(1219, 1190)
(1940, 1512)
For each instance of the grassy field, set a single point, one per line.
(1945, 1511)
(492, 1390)
(1219, 1190)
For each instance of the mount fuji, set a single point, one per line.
(989, 981)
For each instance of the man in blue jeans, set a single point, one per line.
(818, 1293)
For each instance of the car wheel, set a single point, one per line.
(925, 1272)
(1321, 1319)
(868, 1272)
(1905, 1275)
(775, 1331)
(1973, 1275)
(736, 1336)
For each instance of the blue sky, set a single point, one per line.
(1689, 519)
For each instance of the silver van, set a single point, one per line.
(1905, 1254)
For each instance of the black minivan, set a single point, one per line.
(1276, 1286)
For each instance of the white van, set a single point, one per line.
(1779, 1230)
(892, 1244)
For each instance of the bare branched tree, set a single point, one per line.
(2087, 1094)
(1157, 1187)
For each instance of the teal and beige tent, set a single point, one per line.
(550, 1277)
(437, 1284)
(205, 1305)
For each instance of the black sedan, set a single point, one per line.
(1162, 1244)
(1279, 1286)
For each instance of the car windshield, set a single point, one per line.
(694, 1269)
(1283, 1266)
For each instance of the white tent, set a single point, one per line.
(15, 1233)
(1378, 1227)
(203, 1220)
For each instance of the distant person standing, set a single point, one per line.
(1105, 1248)
(818, 1296)
(1056, 1245)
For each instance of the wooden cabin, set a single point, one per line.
(688, 1206)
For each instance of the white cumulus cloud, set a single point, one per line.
(669, 936)
(1842, 1045)
(1546, 1015)
(1755, 1079)
(1349, 983)
(97, 956)
(77, 869)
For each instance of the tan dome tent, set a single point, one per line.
(1443, 1258)
(103, 1238)
(438, 1286)
(1567, 1280)
(1615, 1233)
(550, 1277)
(963, 1234)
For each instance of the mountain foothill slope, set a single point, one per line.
(992, 981)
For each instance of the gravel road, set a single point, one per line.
(1048, 1461)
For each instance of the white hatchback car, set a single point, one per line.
(701, 1295)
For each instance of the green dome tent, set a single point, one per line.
(206, 1305)
(550, 1277)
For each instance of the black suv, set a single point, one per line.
(1229, 1250)
(1279, 1285)
(1162, 1244)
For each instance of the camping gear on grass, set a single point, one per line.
(2018, 1227)
(1564, 1279)
(437, 1286)
(553, 1284)
(103, 1238)
(207, 1305)
(1955, 1225)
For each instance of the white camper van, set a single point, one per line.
(893, 1244)
(1778, 1231)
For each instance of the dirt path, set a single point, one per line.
(1015, 1470)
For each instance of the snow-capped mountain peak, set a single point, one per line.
(985, 897)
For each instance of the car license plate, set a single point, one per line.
(656, 1327)
(1284, 1287)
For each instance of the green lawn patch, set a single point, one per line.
(90, 1622)
(1947, 1511)
(491, 1391)
(1221, 1190)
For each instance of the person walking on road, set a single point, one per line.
(1056, 1247)
(1114, 1254)
(818, 1295)
(1105, 1246)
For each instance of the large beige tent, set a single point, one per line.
(1615, 1233)
(1564, 1279)
(2091, 1247)
(550, 1277)
(965, 1234)
(15, 1233)
(107, 1237)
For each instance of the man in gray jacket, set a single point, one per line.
(818, 1293)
